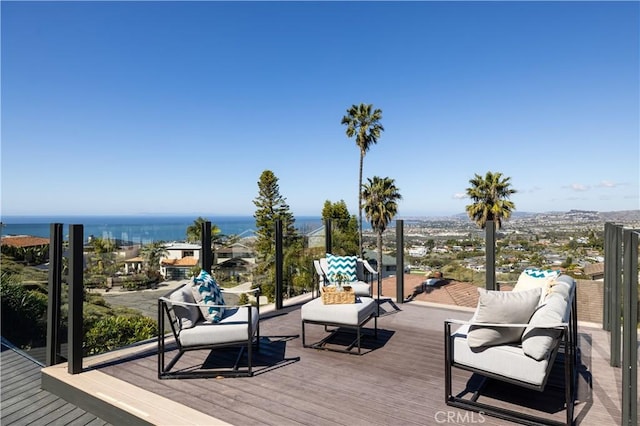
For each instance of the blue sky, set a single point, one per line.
(177, 108)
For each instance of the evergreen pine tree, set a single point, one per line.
(344, 228)
(271, 206)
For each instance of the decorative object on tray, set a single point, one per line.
(332, 295)
(339, 278)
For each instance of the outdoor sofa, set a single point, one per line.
(516, 337)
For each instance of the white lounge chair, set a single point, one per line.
(364, 272)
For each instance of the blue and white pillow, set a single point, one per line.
(542, 273)
(206, 291)
(536, 278)
(345, 265)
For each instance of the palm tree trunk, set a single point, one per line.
(360, 206)
(379, 243)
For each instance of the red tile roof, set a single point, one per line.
(23, 241)
(185, 261)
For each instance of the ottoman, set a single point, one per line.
(348, 315)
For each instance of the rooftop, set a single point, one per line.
(23, 241)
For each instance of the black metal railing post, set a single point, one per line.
(76, 264)
(279, 261)
(630, 330)
(614, 257)
(400, 261)
(490, 255)
(609, 274)
(205, 241)
(327, 236)
(55, 294)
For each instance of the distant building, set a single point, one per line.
(417, 251)
(32, 250)
(23, 241)
(388, 263)
(235, 261)
(181, 258)
(595, 271)
(316, 238)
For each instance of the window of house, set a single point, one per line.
(187, 253)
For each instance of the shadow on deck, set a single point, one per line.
(397, 380)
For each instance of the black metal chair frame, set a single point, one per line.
(569, 343)
(165, 310)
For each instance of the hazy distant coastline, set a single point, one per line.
(148, 228)
(138, 228)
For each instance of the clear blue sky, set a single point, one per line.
(177, 108)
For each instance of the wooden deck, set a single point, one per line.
(25, 403)
(397, 381)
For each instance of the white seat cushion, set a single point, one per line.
(347, 313)
(505, 360)
(233, 327)
(360, 288)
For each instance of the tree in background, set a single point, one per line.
(271, 206)
(344, 228)
(380, 206)
(490, 197)
(103, 259)
(152, 254)
(365, 125)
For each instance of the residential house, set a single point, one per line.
(180, 259)
(388, 263)
(595, 271)
(234, 261)
(316, 238)
(32, 250)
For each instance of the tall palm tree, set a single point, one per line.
(365, 125)
(490, 196)
(380, 205)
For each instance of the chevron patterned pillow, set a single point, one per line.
(341, 264)
(542, 273)
(206, 291)
(536, 278)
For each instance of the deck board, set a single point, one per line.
(25, 403)
(397, 380)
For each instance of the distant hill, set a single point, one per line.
(623, 216)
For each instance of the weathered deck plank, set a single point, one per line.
(398, 379)
(25, 403)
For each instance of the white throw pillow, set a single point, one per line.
(188, 315)
(538, 342)
(536, 278)
(501, 307)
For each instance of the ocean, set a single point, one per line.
(139, 229)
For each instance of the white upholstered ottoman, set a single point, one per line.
(349, 315)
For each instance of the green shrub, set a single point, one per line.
(118, 331)
(243, 299)
(24, 314)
